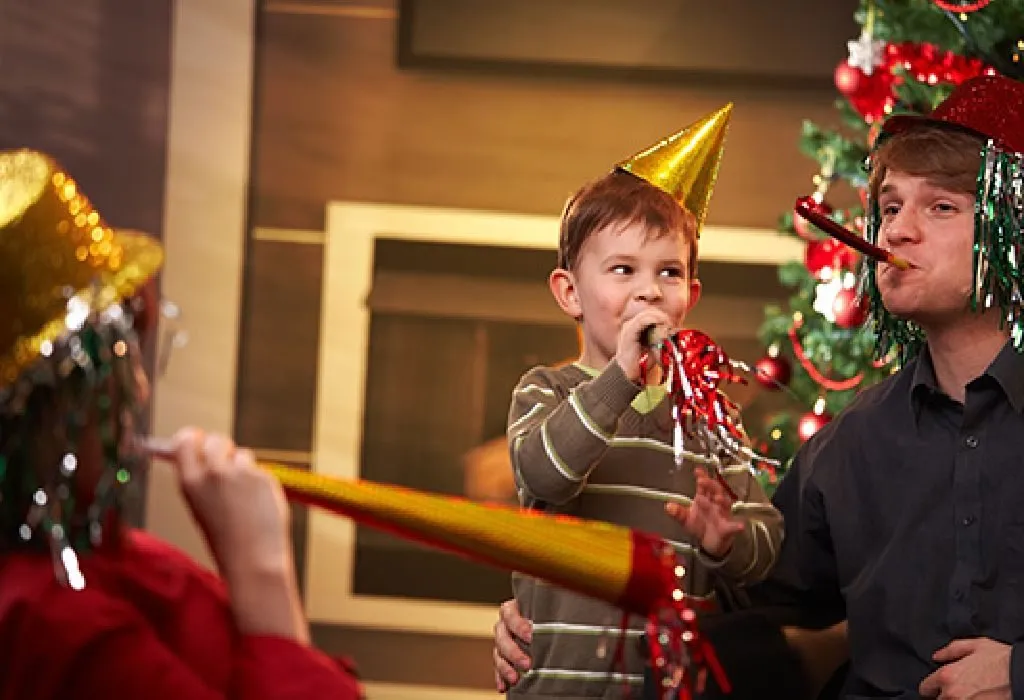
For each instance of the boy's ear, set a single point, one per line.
(695, 290)
(563, 289)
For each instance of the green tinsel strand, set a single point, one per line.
(998, 219)
(80, 377)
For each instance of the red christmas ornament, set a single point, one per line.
(850, 80)
(850, 309)
(773, 372)
(827, 257)
(928, 63)
(810, 423)
(804, 228)
(876, 100)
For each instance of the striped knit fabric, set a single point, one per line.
(596, 446)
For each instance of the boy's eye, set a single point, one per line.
(672, 272)
(622, 269)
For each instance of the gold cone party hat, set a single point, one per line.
(56, 253)
(685, 164)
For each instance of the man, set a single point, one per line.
(903, 514)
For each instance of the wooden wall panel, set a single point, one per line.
(689, 41)
(336, 120)
(91, 89)
(279, 346)
(411, 659)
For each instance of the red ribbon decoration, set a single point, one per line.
(675, 644)
(816, 375)
(698, 367)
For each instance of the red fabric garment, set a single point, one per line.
(150, 624)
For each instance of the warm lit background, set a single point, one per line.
(358, 200)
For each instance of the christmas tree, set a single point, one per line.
(908, 57)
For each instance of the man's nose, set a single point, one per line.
(903, 227)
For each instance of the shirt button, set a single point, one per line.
(958, 595)
(968, 520)
(971, 441)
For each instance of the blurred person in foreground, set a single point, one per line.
(89, 607)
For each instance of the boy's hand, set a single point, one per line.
(709, 518)
(631, 343)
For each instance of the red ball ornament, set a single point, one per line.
(773, 372)
(804, 228)
(850, 80)
(850, 309)
(876, 98)
(827, 257)
(810, 423)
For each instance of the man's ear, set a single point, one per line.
(563, 289)
(695, 290)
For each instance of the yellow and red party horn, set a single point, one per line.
(609, 562)
(805, 207)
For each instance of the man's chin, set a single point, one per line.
(898, 304)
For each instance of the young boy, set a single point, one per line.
(587, 439)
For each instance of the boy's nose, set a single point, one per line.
(648, 291)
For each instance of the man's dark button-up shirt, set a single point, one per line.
(911, 517)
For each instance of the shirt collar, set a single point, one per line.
(1007, 369)
(923, 384)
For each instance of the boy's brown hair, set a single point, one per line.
(948, 157)
(625, 199)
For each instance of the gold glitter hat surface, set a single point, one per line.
(685, 164)
(56, 254)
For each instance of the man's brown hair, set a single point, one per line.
(948, 157)
(624, 199)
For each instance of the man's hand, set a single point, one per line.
(972, 668)
(509, 658)
(709, 518)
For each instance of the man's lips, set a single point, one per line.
(911, 265)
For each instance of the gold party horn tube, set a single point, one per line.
(612, 563)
